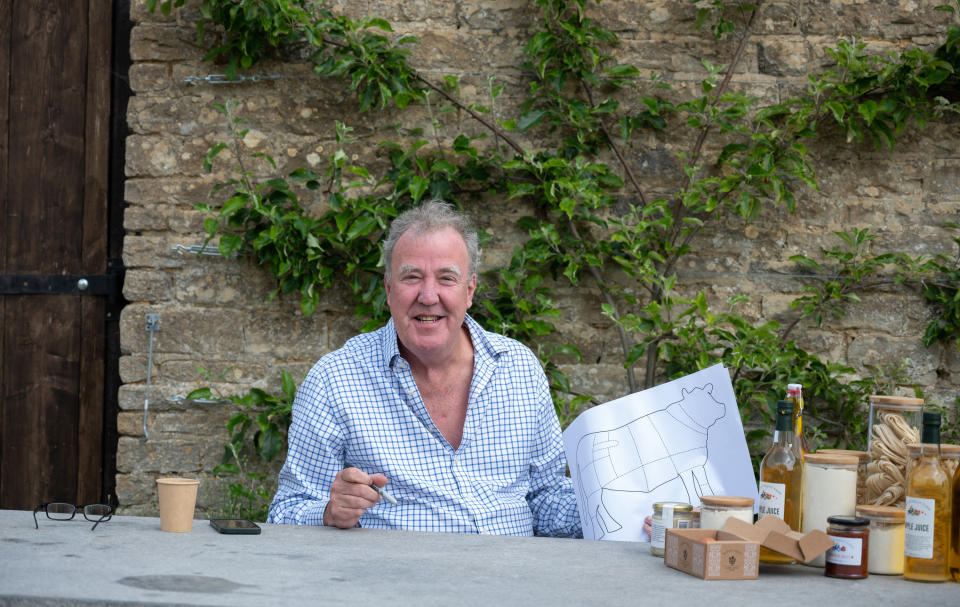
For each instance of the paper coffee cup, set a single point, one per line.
(177, 496)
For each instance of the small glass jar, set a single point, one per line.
(864, 461)
(668, 515)
(885, 554)
(716, 509)
(894, 423)
(849, 558)
(829, 489)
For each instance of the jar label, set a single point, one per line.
(845, 551)
(918, 528)
(657, 535)
(772, 499)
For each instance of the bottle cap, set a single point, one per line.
(848, 521)
(931, 418)
(794, 386)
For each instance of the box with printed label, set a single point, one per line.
(711, 554)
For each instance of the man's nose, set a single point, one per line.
(428, 293)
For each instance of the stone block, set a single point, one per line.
(147, 285)
(158, 455)
(879, 350)
(783, 56)
(163, 42)
(896, 19)
(185, 330)
(149, 78)
(178, 191)
(137, 494)
(221, 282)
(164, 156)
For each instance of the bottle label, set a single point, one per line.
(845, 551)
(918, 527)
(659, 527)
(772, 499)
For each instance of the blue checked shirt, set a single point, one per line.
(360, 404)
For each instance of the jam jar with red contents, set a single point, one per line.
(851, 546)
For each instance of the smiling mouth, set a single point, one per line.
(428, 319)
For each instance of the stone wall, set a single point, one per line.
(213, 311)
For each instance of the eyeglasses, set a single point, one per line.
(63, 511)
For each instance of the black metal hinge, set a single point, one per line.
(110, 284)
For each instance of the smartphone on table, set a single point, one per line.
(235, 526)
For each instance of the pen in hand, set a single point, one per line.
(383, 492)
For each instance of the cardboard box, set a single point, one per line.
(773, 533)
(711, 554)
(733, 553)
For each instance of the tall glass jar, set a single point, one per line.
(886, 538)
(716, 509)
(893, 424)
(829, 489)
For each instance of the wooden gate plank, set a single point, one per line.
(94, 250)
(39, 462)
(47, 73)
(6, 16)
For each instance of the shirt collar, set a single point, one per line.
(483, 346)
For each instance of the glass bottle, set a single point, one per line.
(795, 396)
(781, 479)
(929, 495)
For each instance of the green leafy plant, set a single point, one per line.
(260, 425)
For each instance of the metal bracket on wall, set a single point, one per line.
(198, 249)
(153, 325)
(223, 79)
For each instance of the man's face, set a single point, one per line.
(429, 291)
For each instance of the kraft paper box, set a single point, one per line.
(771, 532)
(711, 554)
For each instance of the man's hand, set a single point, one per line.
(350, 495)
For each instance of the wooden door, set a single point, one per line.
(55, 66)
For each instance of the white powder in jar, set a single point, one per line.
(711, 518)
(885, 552)
(829, 489)
(886, 549)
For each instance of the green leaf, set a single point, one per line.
(362, 226)
(530, 119)
(418, 185)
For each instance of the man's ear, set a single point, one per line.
(471, 289)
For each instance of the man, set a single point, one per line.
(455, 421)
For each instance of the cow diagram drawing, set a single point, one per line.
(662, 453)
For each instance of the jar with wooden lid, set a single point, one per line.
(716, 509)
(668, 515)
(863, 458)
(849, 557)
(829, 489)
(894, 423)
(886, 538)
